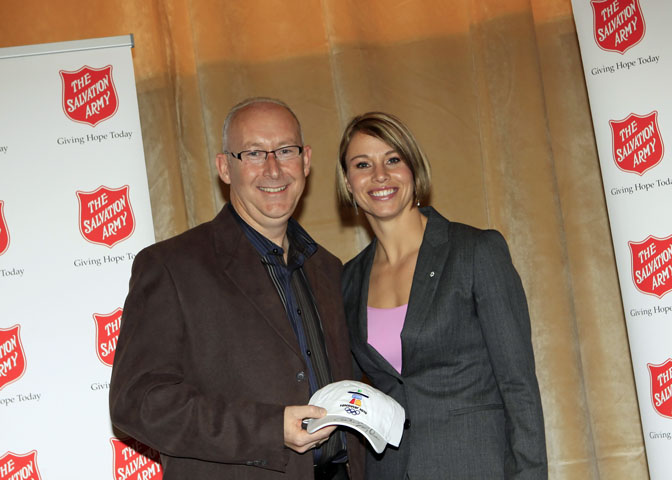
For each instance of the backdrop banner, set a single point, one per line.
(626, 47)
(74, 211)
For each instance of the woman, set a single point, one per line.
(438, 320)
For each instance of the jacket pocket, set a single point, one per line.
(476, 408)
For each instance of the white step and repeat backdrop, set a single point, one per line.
(626, 46)
(74, 210)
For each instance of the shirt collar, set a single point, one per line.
(299, 240)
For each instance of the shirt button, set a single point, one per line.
(275, 250)
(407, 424)
(308, 352)
(298, 310)
(300, 376)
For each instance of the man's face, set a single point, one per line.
(265, 195)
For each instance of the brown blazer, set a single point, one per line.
(207, 360)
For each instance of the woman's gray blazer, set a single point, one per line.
(468, 380)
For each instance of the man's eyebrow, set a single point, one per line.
(261, 146)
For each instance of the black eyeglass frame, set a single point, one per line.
(239, 155)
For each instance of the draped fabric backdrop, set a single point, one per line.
(493, 90)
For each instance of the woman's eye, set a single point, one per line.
(393, 160)
(361, 165)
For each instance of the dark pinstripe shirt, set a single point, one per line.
(293, 287)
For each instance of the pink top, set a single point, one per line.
(384, 333)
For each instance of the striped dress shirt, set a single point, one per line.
(293, 287)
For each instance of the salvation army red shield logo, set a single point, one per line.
(618, 24)
(89, 94)
(652, 265)
(105, 215)
(107, 333)
(12, 356)
(637, 142)
(4, 231)
(14, 466)
(661, 387)
(133, 459)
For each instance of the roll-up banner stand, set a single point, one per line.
(626, 47)
(74, 211)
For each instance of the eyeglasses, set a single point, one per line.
(258, 157)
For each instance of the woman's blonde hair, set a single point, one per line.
(391, 130)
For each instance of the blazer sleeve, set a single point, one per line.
(503, 314)
(152, 399)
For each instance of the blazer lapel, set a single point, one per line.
(428, 270)
(241, 263)
(362, 314)
(322, 274)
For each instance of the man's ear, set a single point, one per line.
(307, 154)
(222, 163)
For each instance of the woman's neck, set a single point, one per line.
(400, 236)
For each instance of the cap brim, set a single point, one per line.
(376, 441)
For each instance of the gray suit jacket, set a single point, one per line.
(207, 359)
(468, 380)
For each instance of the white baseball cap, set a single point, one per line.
(353, 404)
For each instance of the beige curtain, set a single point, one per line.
(494, 91)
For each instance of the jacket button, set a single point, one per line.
(407, 424)
(300, 377)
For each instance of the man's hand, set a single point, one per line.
(296, 437)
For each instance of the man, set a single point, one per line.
(229, 327)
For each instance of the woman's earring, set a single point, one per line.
(417, 203)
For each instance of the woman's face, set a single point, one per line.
(380, 181)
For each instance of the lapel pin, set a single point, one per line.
(431, 274)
